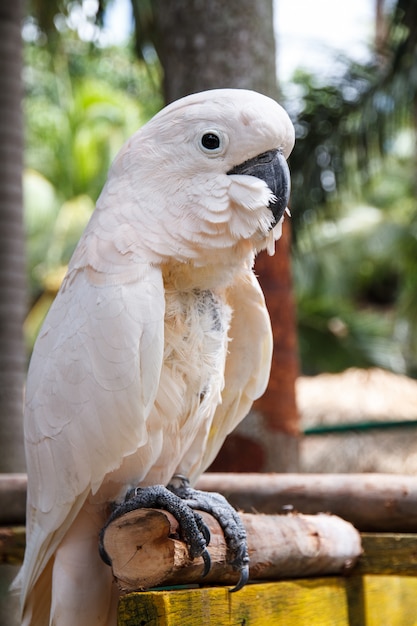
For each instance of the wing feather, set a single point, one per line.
(92, 381)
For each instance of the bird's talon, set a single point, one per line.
(207, 562)
(102, 551)
(243, 579)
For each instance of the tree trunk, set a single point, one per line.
(12, 270)
(278, 404)
(212, 44)
(12, 267)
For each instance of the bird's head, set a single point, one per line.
(205, 174)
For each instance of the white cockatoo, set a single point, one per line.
(158, 340)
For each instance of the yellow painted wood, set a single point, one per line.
(390, 600)
(312, 602)
(370, 600)
(388, 553)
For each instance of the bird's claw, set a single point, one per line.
(179, 499)
(207, 562)
(216, 505)
(243, 579)
(192, 526)
(241, 564)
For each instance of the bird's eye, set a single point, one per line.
(212, 142)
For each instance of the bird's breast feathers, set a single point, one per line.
(196, 338)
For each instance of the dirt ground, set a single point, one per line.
(358, 397)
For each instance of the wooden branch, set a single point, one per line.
(371, 502)
(146, 551)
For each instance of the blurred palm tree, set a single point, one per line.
(355, 207)
(12, 281)
(349, 126)
(12, 275)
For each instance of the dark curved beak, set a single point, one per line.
(272, 168)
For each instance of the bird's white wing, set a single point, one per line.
(248, 362)
(92, 382)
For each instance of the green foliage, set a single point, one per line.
(80, 108)
(348, 125)
(355, 274)
(346, 284)
(81, 104)
(354, 208)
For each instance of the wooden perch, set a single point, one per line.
(146, 551)
(371, 502)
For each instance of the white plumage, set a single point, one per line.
(156, 345)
